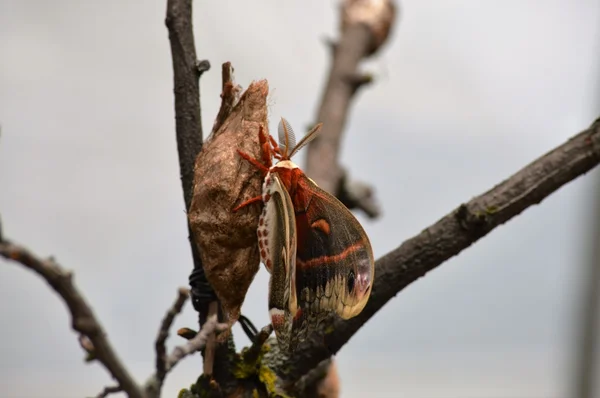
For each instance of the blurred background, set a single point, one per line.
(466, 93)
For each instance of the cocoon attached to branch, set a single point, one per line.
(226, 240)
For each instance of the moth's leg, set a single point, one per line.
(254, 162)
(276, 150)
(267, 152)
(248, 202)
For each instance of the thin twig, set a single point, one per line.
(449, 236)
(163, 333)
(83, 319)
(109, 390)
(196, 344)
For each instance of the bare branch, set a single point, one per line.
(188, 123)
(197, 343)
(189, 143)
(109, 390)
(163, 333)
(165, 363)
(365, 27)
(83, 319)
(450, 235)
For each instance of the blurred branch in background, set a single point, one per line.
(588, 316)
(365, 26)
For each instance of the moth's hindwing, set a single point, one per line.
(279, 238)
(334, 262)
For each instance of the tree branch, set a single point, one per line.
(197, 343)
(163, 333)
(154, 384)
(365, 27)
(83, 319)
(188, 122)
(449, 236)
(109, 390)
(188, 125)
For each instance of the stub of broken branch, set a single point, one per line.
(230, 95)
(377, 15)
(358, 195)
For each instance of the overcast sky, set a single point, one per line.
(467, 93)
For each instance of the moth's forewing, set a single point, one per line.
(334, 261)
(281, 242)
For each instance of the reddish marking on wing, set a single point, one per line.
(313, 262)
(267, 197)
(263, 253)
(277, 321)
(261, 221)
(321, 225)
(269, 264)
(298, 314)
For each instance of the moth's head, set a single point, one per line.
(287, 139)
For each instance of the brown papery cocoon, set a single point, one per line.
(222, 180)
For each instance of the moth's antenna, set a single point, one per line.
(287, 139)
(306, 139)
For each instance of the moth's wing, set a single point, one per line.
(281, 252)
(334, 259)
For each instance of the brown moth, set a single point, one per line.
(318, 254)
